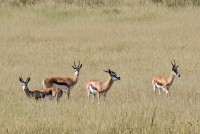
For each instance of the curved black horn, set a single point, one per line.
(74, 64)
(28, 79)
(79, 63)
(174, 62)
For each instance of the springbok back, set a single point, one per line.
(164, 83)
(63, 83)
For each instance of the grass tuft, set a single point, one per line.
(138, 41)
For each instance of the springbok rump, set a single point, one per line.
(98, 88)
(64, 83)
(40, 93)
(164, 83)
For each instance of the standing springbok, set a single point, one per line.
(163, 83)
(64, 83)
(40, 93)
(98, 88)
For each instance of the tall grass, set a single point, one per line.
(99, 3)
(178, 3)
(138, 42)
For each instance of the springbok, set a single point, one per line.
(98, 88)
(64, 83)
(163, 83)
(40, 93)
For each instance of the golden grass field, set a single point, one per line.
(138, 41)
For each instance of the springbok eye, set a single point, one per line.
(115, 75)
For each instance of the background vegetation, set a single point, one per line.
(137, 39)
(168, 3)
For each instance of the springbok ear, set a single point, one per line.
(28, 79)
(73, 67)
(20, 79)
(80, 66)
(106, 71)
(109, 71)
(177, 66)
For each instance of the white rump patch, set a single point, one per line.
(159, 87)
(92, 90)
(43, 85)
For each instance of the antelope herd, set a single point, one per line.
(55, 86)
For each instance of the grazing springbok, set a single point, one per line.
(98, 88)
(163, 83)
(64, 83)
(40, 93)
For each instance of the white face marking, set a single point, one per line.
(76, 72)
(174, 73)
(92, 90)
(114, 79)
(24, 86)
(177, 74)
(63, 87)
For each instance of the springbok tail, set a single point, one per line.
(43, 85)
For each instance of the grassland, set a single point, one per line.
(138, 41)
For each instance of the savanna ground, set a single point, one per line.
(137, 40)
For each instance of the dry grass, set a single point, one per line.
(138, 42)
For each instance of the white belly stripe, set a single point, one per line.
(63, 87)
(92, 90)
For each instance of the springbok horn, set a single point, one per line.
(74, 64)
(174, 62)
(79, 63)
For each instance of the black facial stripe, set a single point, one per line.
(175, 71)
(115, 76)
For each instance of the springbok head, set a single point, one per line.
(77, 68)
(24, 83)
(113, 75)
(175, 68)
